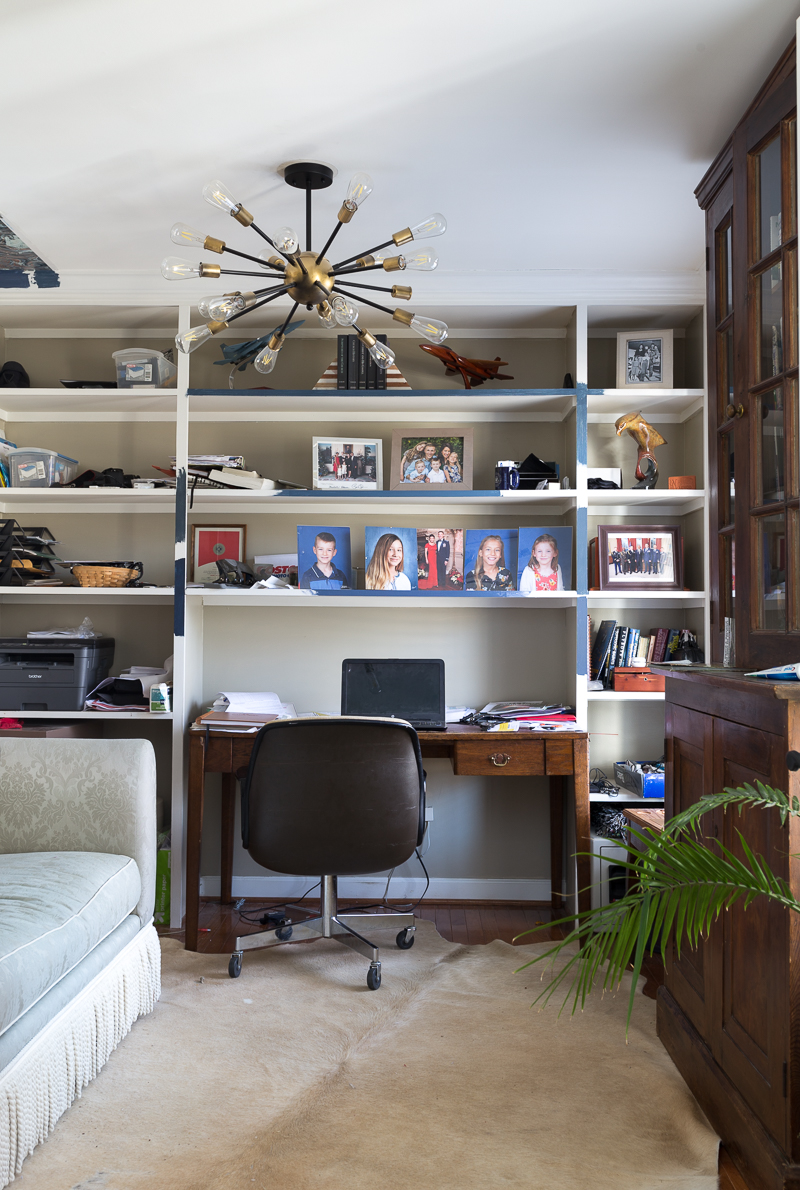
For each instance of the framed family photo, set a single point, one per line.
(212, 543)
(431, 461)
(644, 359)
(640, 557)
(354, 465)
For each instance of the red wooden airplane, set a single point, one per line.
(473, 371)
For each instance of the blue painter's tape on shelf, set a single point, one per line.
(406, 494)
(375, 394)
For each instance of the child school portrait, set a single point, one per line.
(323, 557)
(545, 559)
(391, 559)
(491, 560)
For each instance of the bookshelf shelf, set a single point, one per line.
(646, 599)
(117, 716)
(614, 696)
(394, 503)
(415, 601)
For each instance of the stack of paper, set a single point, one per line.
(257, 702)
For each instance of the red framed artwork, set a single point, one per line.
(212, 543)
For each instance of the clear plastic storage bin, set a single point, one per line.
(36, 467)
(141, 367)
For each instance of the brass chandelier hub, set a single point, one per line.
(305, 286)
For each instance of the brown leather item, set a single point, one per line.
(336, 796)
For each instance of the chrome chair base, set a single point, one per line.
(342, 927)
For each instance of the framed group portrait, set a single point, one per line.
(340, 465)
(431, 460)
(640, 557)
(644, 359)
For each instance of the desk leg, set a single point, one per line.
(583, 843)
(556, 845)
(227, 820)
(194, 836)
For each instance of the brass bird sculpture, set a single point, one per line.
(646, 438)
(473, 371)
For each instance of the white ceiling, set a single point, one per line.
(563, 141)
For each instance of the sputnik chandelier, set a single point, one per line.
(307, 277)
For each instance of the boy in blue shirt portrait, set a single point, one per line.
(324, 575)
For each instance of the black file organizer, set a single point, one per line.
(14, 541)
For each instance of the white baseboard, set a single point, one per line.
(370, 888)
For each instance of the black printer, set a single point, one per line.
(52, 674)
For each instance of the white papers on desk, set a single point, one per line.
(253, 702)
(456, 714)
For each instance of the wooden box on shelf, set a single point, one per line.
(635, 678)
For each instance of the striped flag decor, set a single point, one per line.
(394, 378)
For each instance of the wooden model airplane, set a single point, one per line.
(646, 438)
(473, 371)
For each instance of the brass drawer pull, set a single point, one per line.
(500, 759)
(734, 411)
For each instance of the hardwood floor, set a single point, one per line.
(471, 922)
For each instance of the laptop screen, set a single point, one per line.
(394, 688)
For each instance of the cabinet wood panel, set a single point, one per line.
(689, 776)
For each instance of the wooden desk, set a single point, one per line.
(471, 753)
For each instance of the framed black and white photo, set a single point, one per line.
(644, 359)
(431, 460)
(640, 557)
(341, 465)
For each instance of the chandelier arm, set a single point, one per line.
(359, 298)
(379, 288)
(289, 318)
(241, 273)
(244, 255)
(357, 268)
(274, 293)
(329, 241)
(377, 248)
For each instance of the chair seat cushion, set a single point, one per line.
(55, 906)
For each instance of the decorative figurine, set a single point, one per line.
(473, 371)
(647, 439)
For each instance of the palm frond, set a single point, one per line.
(744, 795)
(683, 886)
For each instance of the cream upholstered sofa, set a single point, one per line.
(79, 955)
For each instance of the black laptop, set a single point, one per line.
(395, 688)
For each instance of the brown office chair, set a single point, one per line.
(337, 797)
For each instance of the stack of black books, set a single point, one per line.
(355, 367)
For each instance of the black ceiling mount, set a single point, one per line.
(308, 175)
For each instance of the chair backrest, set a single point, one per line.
(335, 796)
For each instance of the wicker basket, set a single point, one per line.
(105, 576)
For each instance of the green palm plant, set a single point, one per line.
(680, 887)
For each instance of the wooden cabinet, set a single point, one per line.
(729, 1011)
(749, 197)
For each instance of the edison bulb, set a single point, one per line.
(360, 188)
(191, 339)
(326, 315)
(219, 196)
(429, 328)
(434, 225)
(286, 240)
(175, 269)
(344, 313)
(265, 360)
(420, 260)
(185, 235)
(382, 354)
(221, 308)
(203, 306)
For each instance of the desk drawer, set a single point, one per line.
(499, 757)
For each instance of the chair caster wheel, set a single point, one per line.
(283, 933)
(235, 965)
(405, 939)
(374, 978)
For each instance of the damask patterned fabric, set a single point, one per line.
(81, 795)
(55, 906)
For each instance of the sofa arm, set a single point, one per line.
(81, 795)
